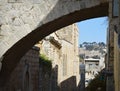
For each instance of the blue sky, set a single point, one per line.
(93, 30)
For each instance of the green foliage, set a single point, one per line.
(47, 64)
(98, 81)
(44, 57)
(94, 46)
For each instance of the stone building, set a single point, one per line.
(23, 20)
(25, 76)
(115, 28)
(62, 48)
(91, 69)
(113, 52)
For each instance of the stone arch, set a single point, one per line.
(60, 14)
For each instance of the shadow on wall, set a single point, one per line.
(48, 78)
(49, 82)
(69, 84)
(25, 76)
(14, 54)
(33, 74)
(81, 85)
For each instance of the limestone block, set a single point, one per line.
(37, 1)
(11, 15)
(2, 2)
(3, 46)
(5, 30)
(26, 7)
(23, 16)
(27, 19)
(15, 1)
(17, 22)
(20, 33)
(2, 20)
(4, 8)
(27, 28)
(11, 42)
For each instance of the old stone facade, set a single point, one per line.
(23, 23)
(113, 56)
(115, 26)
(62, 48)
(31, 74)
(18, 34)
(25, 76)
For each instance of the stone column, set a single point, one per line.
(110, 66)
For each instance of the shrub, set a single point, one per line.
(98, 82)
(45, 62)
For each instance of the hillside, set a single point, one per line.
(92, 49)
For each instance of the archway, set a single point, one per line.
(16, 50)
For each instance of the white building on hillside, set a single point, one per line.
(91, 69)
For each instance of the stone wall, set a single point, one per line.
(25, 76)
(116, 28)
(32, 74)
(23, 23)
(69, 44)
(61, 48)
(113, 53)
(20, 17)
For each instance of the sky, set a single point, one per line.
(93, 30)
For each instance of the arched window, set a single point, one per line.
(26, 82)
(26, 79)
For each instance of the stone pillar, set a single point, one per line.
(110, 57)
(114, 27)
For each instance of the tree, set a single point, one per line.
(98, 82)
(94, 43)
(102, 44)
(81, 45)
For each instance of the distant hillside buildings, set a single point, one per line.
(93, 56)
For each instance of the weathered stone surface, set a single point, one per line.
(35, 13)
(61, 48)
(28, 63)
(25, 22)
